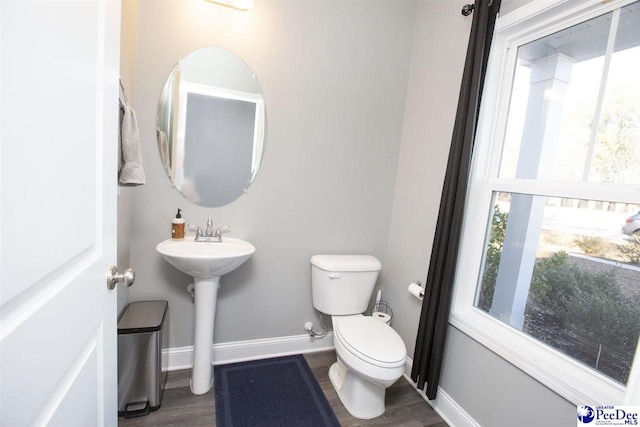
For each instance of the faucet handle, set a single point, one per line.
(221, 230)
(199, 233)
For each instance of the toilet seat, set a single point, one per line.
(371, 341)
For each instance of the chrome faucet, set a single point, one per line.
(209, 232)
(209, 235)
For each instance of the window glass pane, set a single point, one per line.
(617, 150)
(574, 113)
(563, 272)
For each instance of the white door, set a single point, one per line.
(58, 132)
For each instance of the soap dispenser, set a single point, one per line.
(177, 227)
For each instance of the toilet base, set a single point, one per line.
(362, 399)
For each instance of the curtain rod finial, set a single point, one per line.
(467, 9)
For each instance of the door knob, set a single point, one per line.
(113, 277)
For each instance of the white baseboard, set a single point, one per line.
(239, 351)
(443, 404)
(176, 358)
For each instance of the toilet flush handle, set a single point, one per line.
(335, 275)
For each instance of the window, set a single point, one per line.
(554, 283)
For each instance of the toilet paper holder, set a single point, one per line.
(416, 290)
(381, 309)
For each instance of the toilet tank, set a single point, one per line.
(343, 284)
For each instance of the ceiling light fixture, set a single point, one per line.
(236, 4)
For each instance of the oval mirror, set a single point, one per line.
(210, 126)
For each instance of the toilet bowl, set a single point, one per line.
(371, 357)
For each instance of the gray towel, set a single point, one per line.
(131, 171)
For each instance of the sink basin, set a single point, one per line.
(205, 260)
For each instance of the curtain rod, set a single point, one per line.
(467, 9)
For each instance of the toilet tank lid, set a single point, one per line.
(346, 262)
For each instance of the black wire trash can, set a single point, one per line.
(140, 377)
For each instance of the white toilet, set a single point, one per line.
(371, 355)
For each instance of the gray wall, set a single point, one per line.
(334, 77)
(492, 391)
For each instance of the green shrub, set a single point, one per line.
(590, 245)
(588, 305)
(492, 258)
(631, 250)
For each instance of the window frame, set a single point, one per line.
(566, 376)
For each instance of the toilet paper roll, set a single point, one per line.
(383, 317)
(416, 290)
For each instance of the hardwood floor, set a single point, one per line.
(182, 408)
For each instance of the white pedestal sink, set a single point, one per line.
(206, 262)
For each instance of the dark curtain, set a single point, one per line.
(434, 318)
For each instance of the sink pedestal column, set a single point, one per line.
(206, 294)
